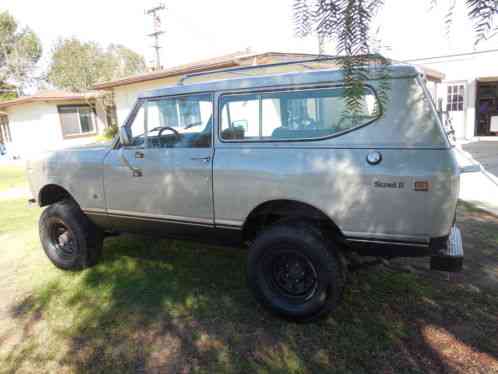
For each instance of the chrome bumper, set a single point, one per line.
(449, 258)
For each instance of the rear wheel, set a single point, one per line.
(70, 240)
(295, 272)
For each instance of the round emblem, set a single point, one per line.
(373, 158)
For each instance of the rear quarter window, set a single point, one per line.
(294, 115)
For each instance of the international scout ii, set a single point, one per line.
(272, 162)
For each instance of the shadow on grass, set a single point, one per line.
(169, 306)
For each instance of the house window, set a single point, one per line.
(76, 120)
(5, 136)
(454, 100)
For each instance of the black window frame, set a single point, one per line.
(453, 97)
(263, 91)
(80, 134)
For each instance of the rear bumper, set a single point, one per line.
(446, 252)
(450, 256)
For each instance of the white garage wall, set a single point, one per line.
(36, 127)
(467, 69)
(126, 96)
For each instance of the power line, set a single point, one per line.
(155, 12)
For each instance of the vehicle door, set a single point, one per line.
(164, 176)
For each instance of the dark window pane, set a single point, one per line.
(460, 106)
(448, 107)
(86, 119)
(69, 120)
(454, 106)
(449, 90)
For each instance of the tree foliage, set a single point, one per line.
(347, 22)
(77, 66)
(20, 50)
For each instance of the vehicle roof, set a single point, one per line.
(273, 80)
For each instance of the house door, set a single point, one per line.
(455, 104)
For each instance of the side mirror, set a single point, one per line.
(125, 135)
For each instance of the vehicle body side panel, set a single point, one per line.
(340, 183)
(79, 171)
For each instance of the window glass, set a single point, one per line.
(240, 117)
(137, 127)
(5, 136)
(86, 119)
(293, 115)
(190, 118)
(76, 120)
(455, 98)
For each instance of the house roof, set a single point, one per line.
(225, 61)
(50, 95)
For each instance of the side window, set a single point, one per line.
(303, 114)
(180, 122)
(240, 117)
(137, 127)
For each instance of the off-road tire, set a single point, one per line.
(84, 237)
(308, 245)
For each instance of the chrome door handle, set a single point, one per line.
(139, 154)
(205, 159)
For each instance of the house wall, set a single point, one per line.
(36, 127)
(464, 69)
(126, 96)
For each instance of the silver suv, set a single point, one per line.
(274, 162)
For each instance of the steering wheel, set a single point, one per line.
(175, 132)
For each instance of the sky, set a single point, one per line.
(203, 29)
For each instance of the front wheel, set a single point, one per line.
(294, 272)
(70, 240)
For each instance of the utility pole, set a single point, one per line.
(157, 30)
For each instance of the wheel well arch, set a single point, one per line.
(270, 212)
(52, 193)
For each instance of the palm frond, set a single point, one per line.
(303, 17)
(483, 13)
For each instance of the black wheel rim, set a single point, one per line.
(63, 240)
(292, 275)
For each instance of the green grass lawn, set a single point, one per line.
(170, 306)
(11, 176)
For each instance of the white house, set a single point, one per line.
(51, 119)
(126, 90)
(55, 119)
(468, 92)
